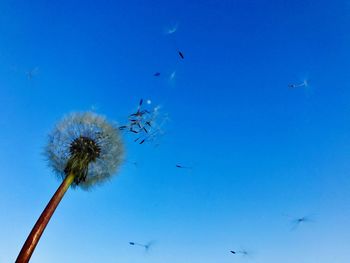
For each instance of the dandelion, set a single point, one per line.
(84, 150)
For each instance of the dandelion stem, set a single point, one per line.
(39, 227)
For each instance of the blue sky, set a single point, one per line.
(259, 150)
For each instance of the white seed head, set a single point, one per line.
(85, 139)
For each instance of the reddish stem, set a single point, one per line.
(39, 227)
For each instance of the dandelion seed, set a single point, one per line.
(242, 252)
(31, 73)
(182, 167)
(172, 30)
(172, 75)
(146, 246)
(303, 84)
(145, 123)
(181, 54)
(296, 222)
(84, 150)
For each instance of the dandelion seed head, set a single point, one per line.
(87, 145)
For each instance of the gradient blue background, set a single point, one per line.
(258, 150)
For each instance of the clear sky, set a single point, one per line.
(261, 153)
